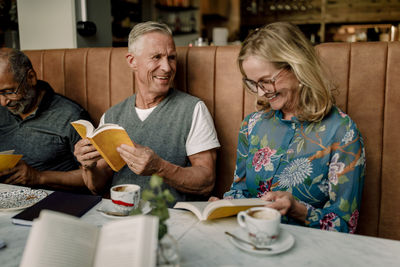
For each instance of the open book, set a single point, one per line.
(106, 138)
(61, 240)
(221, 208)
(8, 159)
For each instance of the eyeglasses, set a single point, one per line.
(268, 86)
(13, 93)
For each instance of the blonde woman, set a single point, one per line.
(299, 150)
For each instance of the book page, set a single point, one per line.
(221, 208)
(228, 207)
(60, 240)
(128, 242)
(197, 207)
(7, 152)
(83, 127)
(105, 127)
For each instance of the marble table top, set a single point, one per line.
(203, 243)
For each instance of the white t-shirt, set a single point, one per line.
(202, 135)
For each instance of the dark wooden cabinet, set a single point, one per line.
(125, 14)
(181, 19)
(318, 18)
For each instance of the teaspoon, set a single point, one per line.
(246, 242)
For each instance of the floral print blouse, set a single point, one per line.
(322, 164)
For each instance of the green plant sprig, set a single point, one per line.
(159, 200)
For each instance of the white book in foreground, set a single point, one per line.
(221, 208)
(61, 240)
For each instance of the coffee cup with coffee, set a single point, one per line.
(125, 197)
(262, 225)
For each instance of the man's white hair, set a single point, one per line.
(145, 27)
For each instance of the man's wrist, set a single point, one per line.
(161, 168)
(41, 178)
(89, 167)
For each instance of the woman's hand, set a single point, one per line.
(212, 198)
(285, 203)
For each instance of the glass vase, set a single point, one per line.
(167, 252)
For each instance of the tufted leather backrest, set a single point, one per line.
(368, 76)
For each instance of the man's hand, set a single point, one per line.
(86, 154)
(140, 159)
(21, 174)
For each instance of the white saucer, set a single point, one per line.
(283, 243)
(107, 206)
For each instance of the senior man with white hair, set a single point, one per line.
(173, 132)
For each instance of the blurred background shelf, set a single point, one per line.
(320, 20)
(175, 8)
(182, 16)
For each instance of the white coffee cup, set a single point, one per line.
(125, 197)
(262, 225)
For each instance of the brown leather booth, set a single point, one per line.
(368, 75)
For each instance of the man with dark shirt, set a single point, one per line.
(35, 122)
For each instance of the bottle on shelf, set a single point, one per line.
(193, 23)
(178, 25)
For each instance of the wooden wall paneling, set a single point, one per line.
(362, 11)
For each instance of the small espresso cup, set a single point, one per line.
(262, 225)
(125, 197)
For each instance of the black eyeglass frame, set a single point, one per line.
(15, 92)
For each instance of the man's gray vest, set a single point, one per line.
(165, 131)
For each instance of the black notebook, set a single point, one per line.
(69, 203)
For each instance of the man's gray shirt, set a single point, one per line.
(45, 138)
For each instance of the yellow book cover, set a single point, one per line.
(221, 208)
(106, 138)
(8, 160)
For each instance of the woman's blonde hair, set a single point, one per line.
(284, 45)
